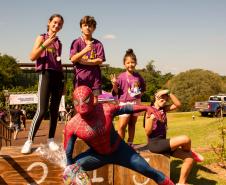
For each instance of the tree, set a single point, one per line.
(9, 70)
(195, 85)
(154, 80)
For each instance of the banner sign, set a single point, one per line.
(20, 99)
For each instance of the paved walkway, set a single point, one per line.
(42, 134)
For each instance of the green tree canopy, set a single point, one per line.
(154, 80)
(9, 70)
(195, 85)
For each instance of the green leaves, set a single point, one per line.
(8, 71)
(195, 85)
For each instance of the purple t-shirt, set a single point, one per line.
(86, 74)
(50, 57)
(159, 127)
(130, 87)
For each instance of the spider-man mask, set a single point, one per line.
(83, 100)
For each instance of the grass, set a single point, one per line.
(204, 133)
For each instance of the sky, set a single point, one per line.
(178, 35)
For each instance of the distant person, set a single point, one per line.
(24, 118)
(128, 87)
(86, 54)
(62, 115)
(16, 119)
(156, 130)
(70, 114)
(3, 115)
(47, 53)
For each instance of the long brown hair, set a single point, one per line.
(53, 16)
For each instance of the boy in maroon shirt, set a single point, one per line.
(87, 54)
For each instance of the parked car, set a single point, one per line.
(213, 106)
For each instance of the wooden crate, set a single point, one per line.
(124, 176)
(19, 169)
(101, 176)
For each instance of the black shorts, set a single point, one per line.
(160, 145)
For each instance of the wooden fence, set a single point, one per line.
(5, 134)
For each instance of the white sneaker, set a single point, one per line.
(52, 145)
(26, 149)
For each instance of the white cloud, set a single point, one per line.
(109, 37)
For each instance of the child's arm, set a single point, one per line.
(77, 57)
(114, 84)
(149, 124)
(91, 62)
(40, 46)
(176, 103)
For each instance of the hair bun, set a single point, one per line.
(129, 51)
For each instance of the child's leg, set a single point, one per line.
(57, 86)
(180, 141)
(17, 128)
(131, 129)
(15, 134)
(186, 166)
(122, 124)
(43, 101)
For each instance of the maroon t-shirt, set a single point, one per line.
(85, 74)
(159, 128)
(50, 57)
(130, 87)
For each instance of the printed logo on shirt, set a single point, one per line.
(51, 50)
(90, 55)
(134, 88)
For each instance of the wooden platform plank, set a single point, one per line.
(124, 176)
(19, 169)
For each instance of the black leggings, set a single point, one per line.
(50, 85)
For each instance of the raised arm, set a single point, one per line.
(175, 102)
(148, 124)
(78, 56)
(40, 46)
(114, 84)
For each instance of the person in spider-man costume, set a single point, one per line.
(94, 125)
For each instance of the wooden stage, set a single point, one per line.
(33, 169)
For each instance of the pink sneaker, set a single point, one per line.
(167, 181)
(197, 157)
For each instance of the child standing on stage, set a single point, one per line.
(47, 53)
(87, 54)
(129, 87)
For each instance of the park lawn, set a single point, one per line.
(204, 133)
